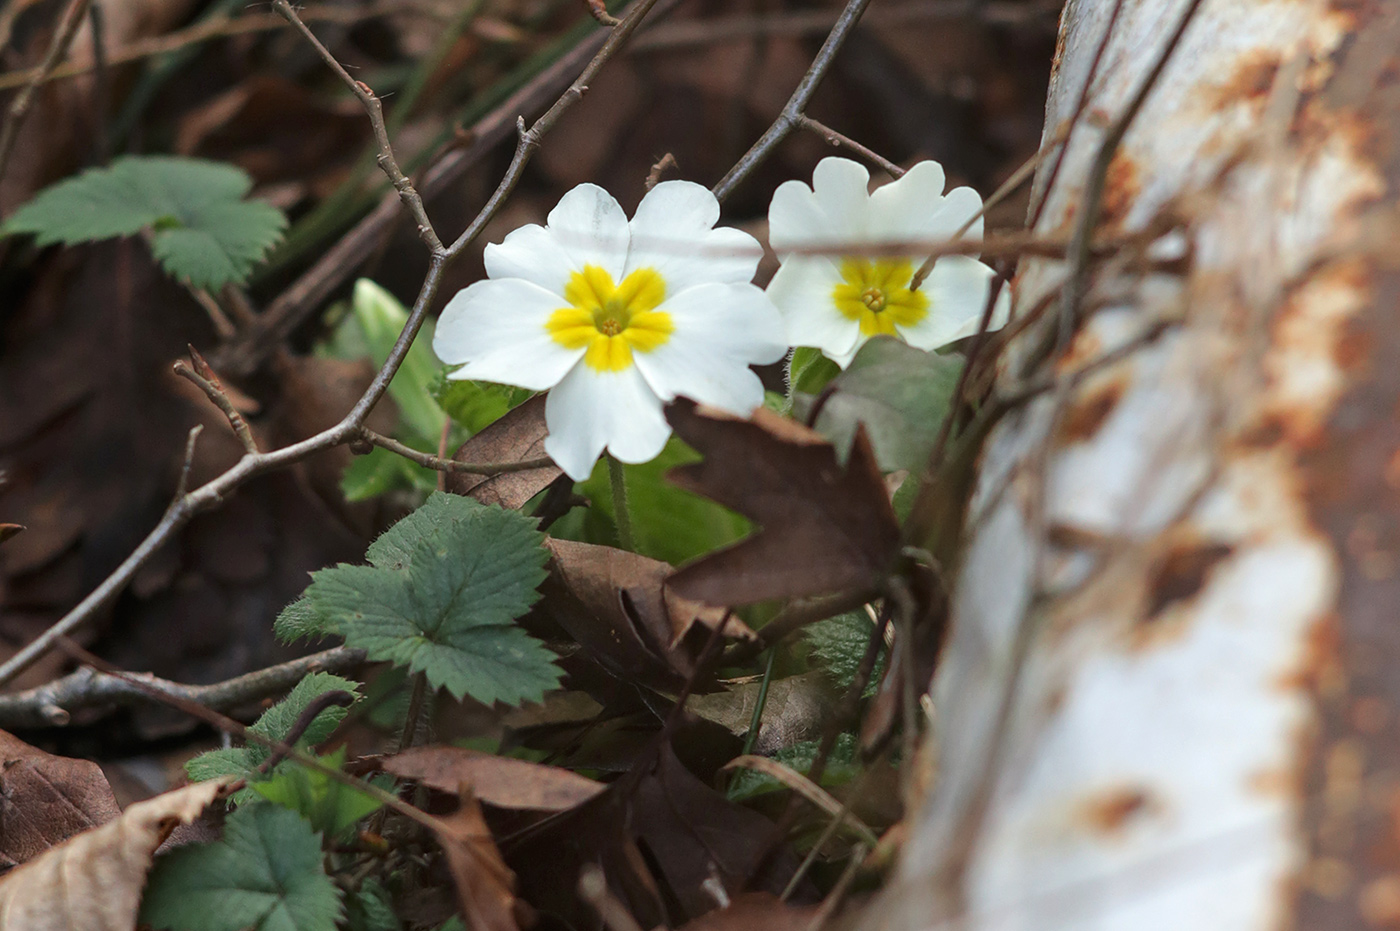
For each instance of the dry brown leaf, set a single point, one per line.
(46, 799)
(93, 882)
(617, 605)
(823, 528)
(485, 885)
(517, 436)
(495, 780)
(9, 530)
(755, 911)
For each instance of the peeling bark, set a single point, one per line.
(1171, 697)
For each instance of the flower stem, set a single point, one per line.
(415, 711)
(621, 516)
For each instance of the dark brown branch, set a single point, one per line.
(440, 464)
(838, 139)
(375, 109)
(54, 703)
(210, 495)
(792, 110)
(19, 107)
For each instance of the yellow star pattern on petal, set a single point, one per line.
(876, 293)
(611, 321)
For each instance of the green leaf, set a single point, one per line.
(380, 471)
(900, 393)
(476, 404)
(841, 768)
(204, 230)
(839, 643)
(299, 621)
(266, 874)
(440, 596)
(371, 908)
(332, 807)
(381, 319)
(276, 723)
(667, 523)
(809, 371)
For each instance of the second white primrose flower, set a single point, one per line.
(835, 294)
(618, 317)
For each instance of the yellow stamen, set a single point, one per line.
(876, 293)
(609, 321)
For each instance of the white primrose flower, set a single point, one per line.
(835, 302)
(617, 318)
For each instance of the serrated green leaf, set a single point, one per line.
(204, 231)
(440, 596)
(371, 908)
(839, 643)
(298, 621)
(332, 807)
(265, 874)
(841, 768)
(901, 395)
(276, 723)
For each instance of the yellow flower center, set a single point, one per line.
(876, 293)
(610, 321)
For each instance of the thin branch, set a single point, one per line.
(387, 163)
(788, 118)
(184, 482)
(19, 107)
(53, 704)
(1076, 277)
(210, 495)
(838, 139)
(441, 464)
(213, 389)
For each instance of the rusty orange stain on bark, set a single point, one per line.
(1109, 812)
(1084, 418)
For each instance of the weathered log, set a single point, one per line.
(1171, 697)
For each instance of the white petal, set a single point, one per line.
(592, 229)
(959, 205)
(841, 186)
(532, 253)
(957, 291)
(899, 210)
(720, 330)
(672, 233)
(795, 218)
(802, 291)
(497, 327)
(591, 410)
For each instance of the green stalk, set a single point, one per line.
(621, 517)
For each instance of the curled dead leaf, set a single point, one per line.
(495, 780)
(93, 881)
(517, 436)
(823, 527)
(618, 606)
(485, 885)
(46, 799)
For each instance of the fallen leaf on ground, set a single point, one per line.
(618, 606)
(517, 436)
(93, 882)
(485, 885)
(9, 530)
(755, 911)
(495, 780)
(46, 799)
(823, 528)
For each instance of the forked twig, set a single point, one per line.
(73, 17)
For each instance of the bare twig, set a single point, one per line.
(19, 107)
(838, 139)
(210, 495)
(593, 889)
(208, 382)
(696, 33)
(338, 698)
(1076, 276)
(788, 119)
(441, 464)
(54, 703)
(387, 162)
(184, 482)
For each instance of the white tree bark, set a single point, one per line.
(1170, 696)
